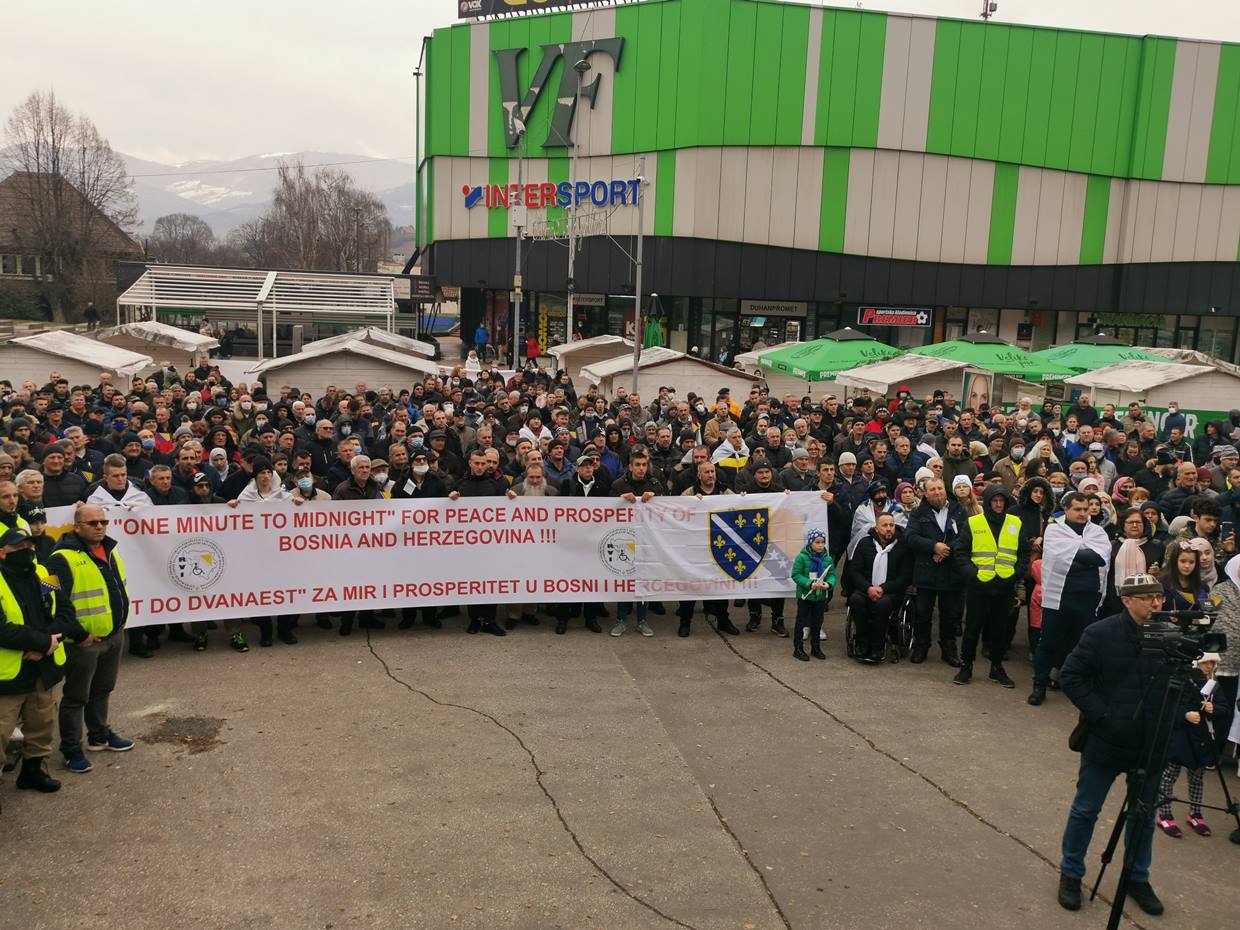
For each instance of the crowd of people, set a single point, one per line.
(1060, 514)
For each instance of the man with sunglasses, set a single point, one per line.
(91, 578)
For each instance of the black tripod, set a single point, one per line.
(1135, 811)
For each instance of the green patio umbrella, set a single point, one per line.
(1097, 352)
(990, 353)
(820, 359)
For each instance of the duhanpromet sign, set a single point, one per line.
(468, 9)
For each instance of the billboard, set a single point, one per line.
(468, 9)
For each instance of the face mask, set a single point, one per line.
(260, 423)
(262, 405)
(449, 408)
(223, 401)
(308, 419)
(421, 470)
(1059, 492)
(305, 485)
(1017, 454)
(700, 408)
(191, 407)
(148, 444)
(417, 442)
(345, 430)
(524, 408)
(247, 406)
(380, 477)
(22, 559)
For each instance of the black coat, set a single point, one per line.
(1113, 685)
(962, 548)
(921, 534)
(1191, 744)
(859, 569)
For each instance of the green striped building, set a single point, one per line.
(804, 164)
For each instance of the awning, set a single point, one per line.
(378, 337)
(568, 348)
(879, 376)
(1137, 377)
(162, 334)
(65, 344)
(356, 347)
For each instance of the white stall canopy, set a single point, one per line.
(67, 345)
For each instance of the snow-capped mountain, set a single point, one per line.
(227, 193)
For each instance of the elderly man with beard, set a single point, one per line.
(879, 571)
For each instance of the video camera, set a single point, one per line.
(1182, 635)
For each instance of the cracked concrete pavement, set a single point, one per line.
(584, 782)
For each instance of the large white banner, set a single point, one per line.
(209, 562)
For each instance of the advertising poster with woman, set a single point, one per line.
(978, 389)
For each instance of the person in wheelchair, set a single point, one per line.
(878, 573)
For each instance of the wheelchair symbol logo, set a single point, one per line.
(618, 552)
(196, 564)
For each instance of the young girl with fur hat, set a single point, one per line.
(1192, 747)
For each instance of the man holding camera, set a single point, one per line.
(1111, 682)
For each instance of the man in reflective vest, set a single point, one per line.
(32, 658)
(993, 556)
(92, 581)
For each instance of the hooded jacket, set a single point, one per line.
(962, 548)
(807, 568)
(1032, 517)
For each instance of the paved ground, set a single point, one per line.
(433, 779)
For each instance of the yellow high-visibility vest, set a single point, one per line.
(995, 557)
(91, 605)
(11, 659)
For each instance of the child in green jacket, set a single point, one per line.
(814, 573)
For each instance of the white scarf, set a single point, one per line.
(878, 575)
(940, 517)
(1060, 544)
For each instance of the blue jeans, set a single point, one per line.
(1092, 786)
(623, 608)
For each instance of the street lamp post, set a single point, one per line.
(581, 67)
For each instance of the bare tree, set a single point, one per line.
(182, 238)
(318, 221)
(72, 197)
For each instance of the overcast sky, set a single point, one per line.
(198, 79)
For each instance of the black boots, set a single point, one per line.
(948, 652)
(965, 675)
(755, 622)
(561, 625)
(919, 653)
(34, 777)
(726, 626)
(684, 628)
(778, 628)
(999, 676)
(1038, 695)
(1143, 894)
(816, 651)
(798, 653)
(1069, 893)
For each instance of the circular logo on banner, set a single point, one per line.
(196, 564)
(618, 552)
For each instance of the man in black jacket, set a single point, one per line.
(992, 555)
(60, 487)
(31, 657)
(932, 528)
(879, 572)
(480, 483)
(1112, 682)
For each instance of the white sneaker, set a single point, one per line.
(618, 629)
(644, 628)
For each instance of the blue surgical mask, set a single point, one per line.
(305, 485)
(345, 430)
(308, 419)
(417, 442)
(148, 444)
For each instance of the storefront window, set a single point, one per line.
(551, 320)
(1218, 336)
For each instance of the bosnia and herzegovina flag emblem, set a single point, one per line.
(739, 540)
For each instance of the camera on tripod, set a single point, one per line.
(1182, 635)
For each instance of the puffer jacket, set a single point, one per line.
(1108, 679)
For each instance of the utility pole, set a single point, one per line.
(637, 283)
(581, 68)
(989, 8)
(517, 212)
(357, 238)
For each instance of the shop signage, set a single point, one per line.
(413, 287)
(468, 9)
(895, 316)
(539, 195)
(589, 300)
(517, 104)
(774, 308)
